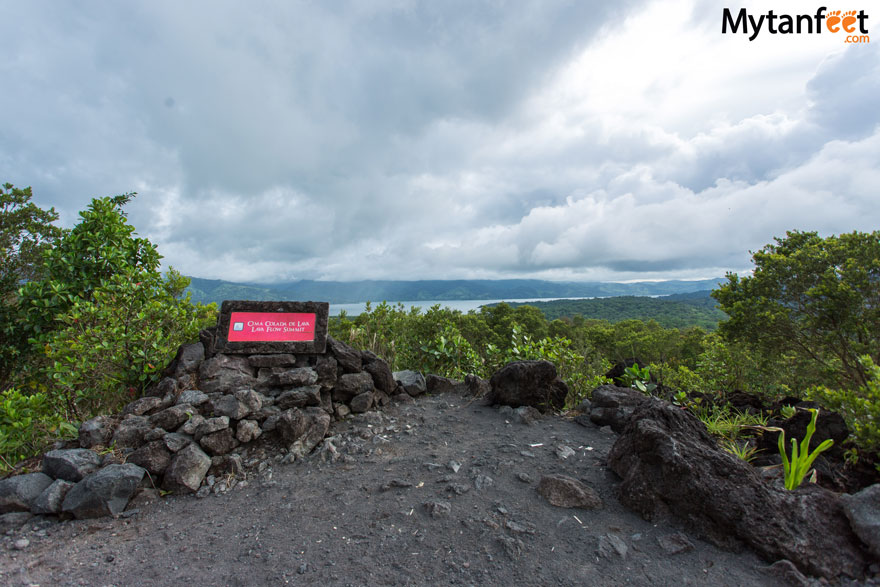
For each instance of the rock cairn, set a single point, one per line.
(190, 427)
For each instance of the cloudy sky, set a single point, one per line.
(397, 139)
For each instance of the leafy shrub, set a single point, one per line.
(451, 355)
(859, 406)
(27, 425)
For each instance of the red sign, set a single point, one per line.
(271, 327)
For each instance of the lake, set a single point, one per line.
(462, 305)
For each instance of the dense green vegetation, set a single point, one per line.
(92, 325)
(675, 311)
(340, 292)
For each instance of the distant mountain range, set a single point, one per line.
(342, 292)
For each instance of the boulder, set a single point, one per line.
(219, 443)
(144, 405)
(361, 402)
(346, 357)
(13, 521)
(103, 493)
(252, 400)
(278, 360)
(670, 464)
(175, 441)
(297, 377)
(528, 383)
(299, 397)
(189, 358)
(303, 428)
(476, 386)
(211, 425)
(17, 494)
(383, 380)
(413, 382)
(230, 407)
(565, 492)
(247, 430)
(154, 457)
(350, 385)
(71, 464)
(193, 397)
(226, 373)
(613, 406)
(131, 431)
(191, 426)
(230, 464)
(436, 384)
(50, 501)
(187, 470)
(326, 370)
(96, 431)
(170, 419)
(863, 511)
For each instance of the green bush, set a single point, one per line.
(859, 406)
(27, 425)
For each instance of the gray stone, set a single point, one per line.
(271, 422)
(230, 464)
(476, 386)
(299, 377)
(299, 397)
(154, 434)
(383, 379)
(611, 546)
(17, 494)
(346, 357)
(247, 430)
(49, 502)
(143, 405)
(342, 411)
(563, 452)
(154, 457)
(528, 383)
(95, 432)
(787, 573)
(436, 384)
(175, 441)
(303, 428)
(482, 482)
(362, 402)
(412, 381)
(211, 425)
(192, 425)
(350, 385)
(669, 463)
(14, 521)
(277, 360)
(21, 544)
(326, 370)
(565, 492)
(863, 511)
(228, 406)
(526, 415)
(613, 406)
(192, 396)
(676, 543)
(252, 400)
(189, 358)
(70, 464)
(187, 470)
(170, 419)
(438, 509)
(131, 431)
(226, 373)
(103, 493)
(219, 443)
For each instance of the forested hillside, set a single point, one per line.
(675, 311)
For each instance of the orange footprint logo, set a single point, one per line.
(832, 20)
(849, 18)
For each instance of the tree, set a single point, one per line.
(102, 321)
(818, 298)
(26, 232)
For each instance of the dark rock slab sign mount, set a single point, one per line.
(251, 327)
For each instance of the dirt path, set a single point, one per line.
(362, 518)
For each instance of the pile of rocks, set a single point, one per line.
(193, 424)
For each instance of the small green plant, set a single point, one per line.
(639, 378)
(727, 424)
(745, 451)
(798, 465)
(27, 425)
(787, 411)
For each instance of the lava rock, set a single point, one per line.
(412, 382)
(191, 396)
(175, 441)
(278, 360)
(299, 377)
(187, 470)
(144, 405)
(863, 511)
(247, 430)
(17, 494)
(131, 431)
(228, 406)
(565, 492)
(303, 428)
(219, 443)
(528, 383)
(613, 406)
(154, 457)
(668, 462)
(211, 425)
(103, 493)
(171, 418)
(226, 373)
(52, 498)
(71, 464)
(350, 385)
(299, 397)
(435, 384)
(361, 402)
(383, 380)
(96, 431)
(346, 357)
